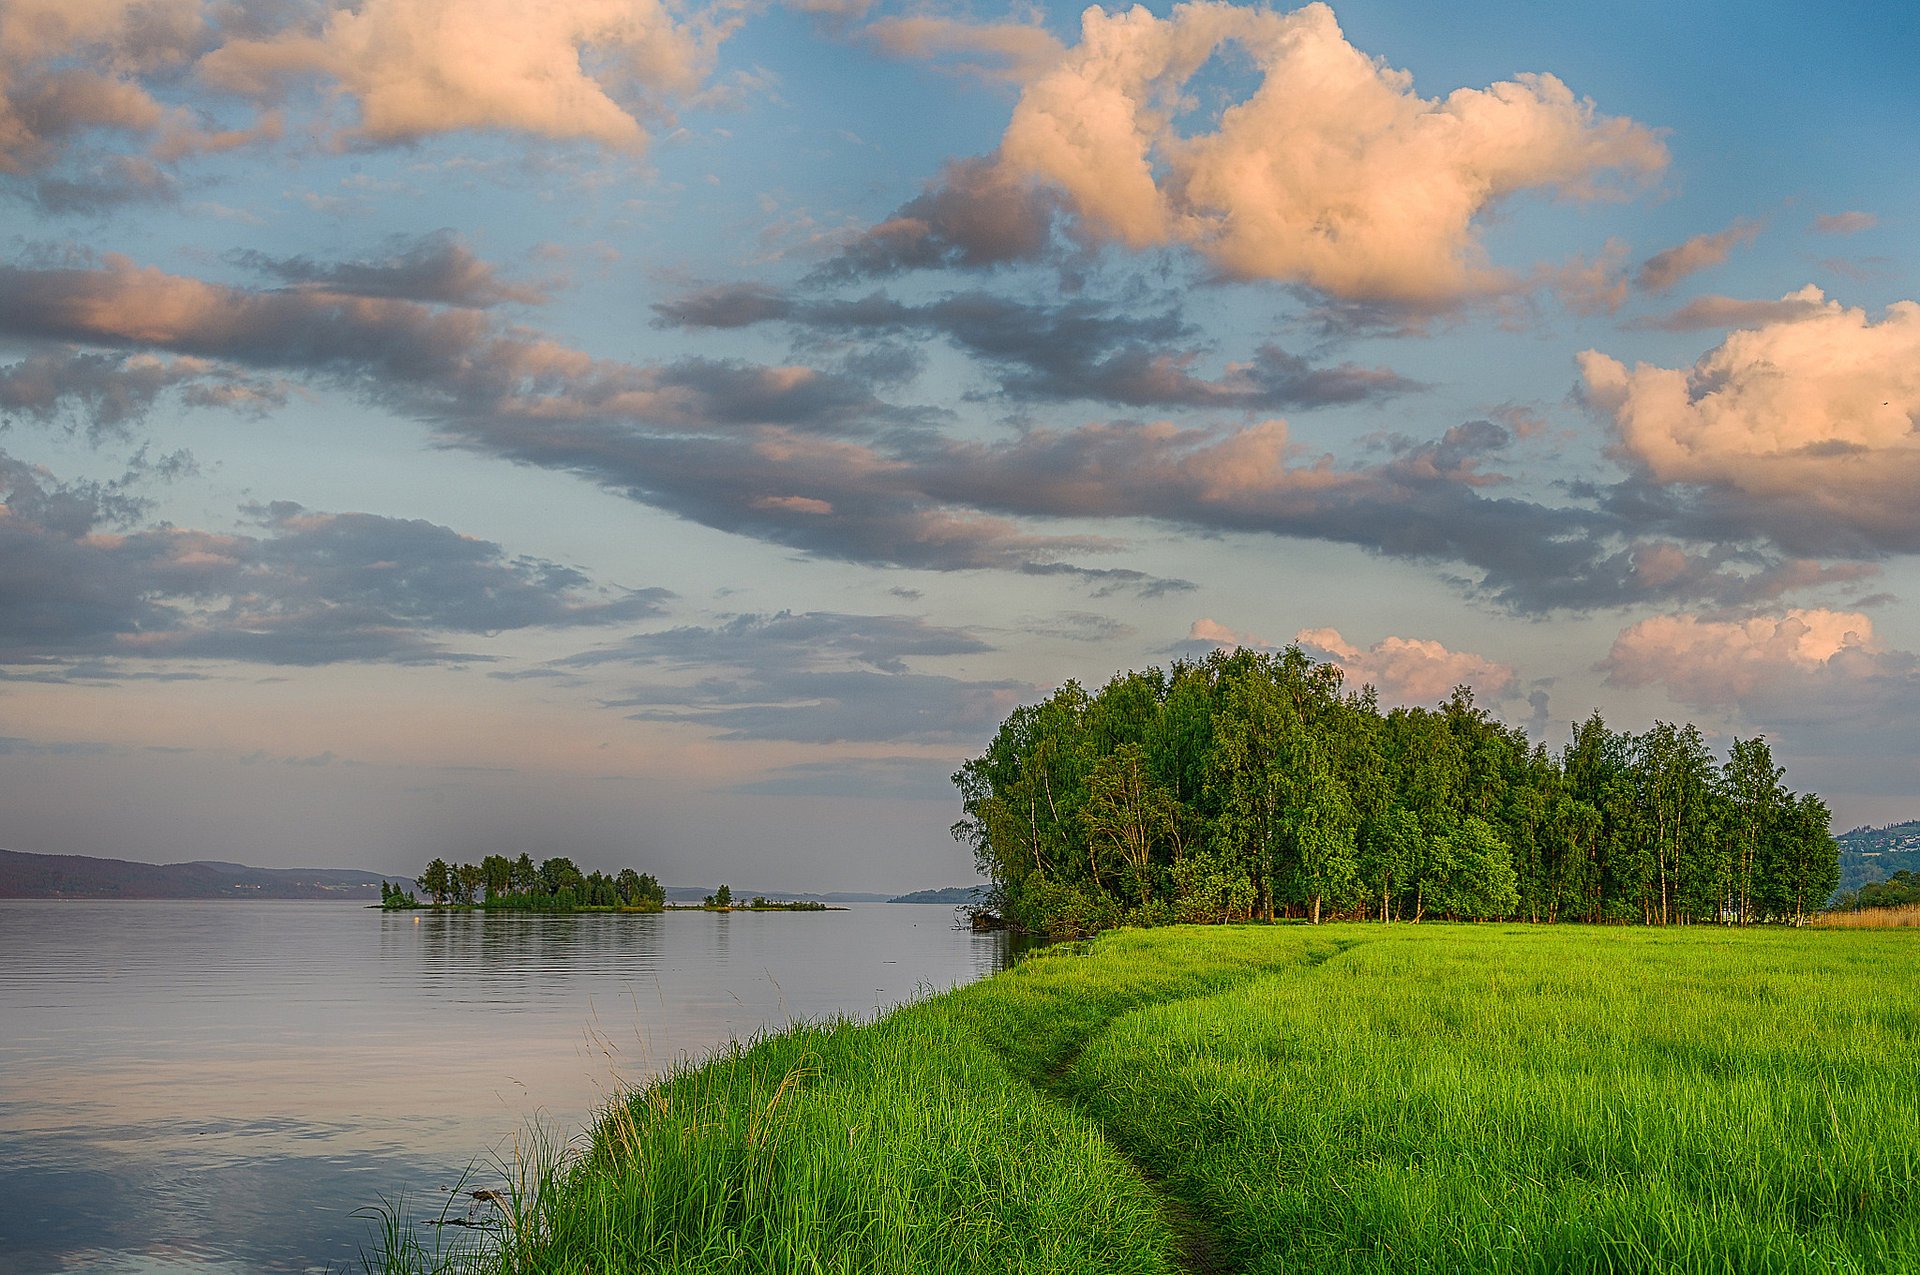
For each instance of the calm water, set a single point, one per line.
(201, 1087)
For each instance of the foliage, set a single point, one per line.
(1253, 784)
(497, 883)
(1900, 890)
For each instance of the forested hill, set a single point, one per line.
(1874, 854)
(1257, 784)
(73, 876)
(947, 894)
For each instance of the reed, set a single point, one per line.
(1872, 918)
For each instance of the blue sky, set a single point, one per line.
(676, 436)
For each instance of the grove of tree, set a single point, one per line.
(553, 885)
(1252, 784)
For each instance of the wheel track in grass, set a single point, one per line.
(1199, 1239)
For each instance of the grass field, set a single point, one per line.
(1286, 1098)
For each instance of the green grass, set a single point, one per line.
(1347, 1098)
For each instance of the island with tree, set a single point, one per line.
(500, 884)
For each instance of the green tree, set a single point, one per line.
(1128, 815)
(437, 881)
(1751, 783)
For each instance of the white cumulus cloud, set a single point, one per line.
(1805, 424)
(1333, 173)
(587, 69)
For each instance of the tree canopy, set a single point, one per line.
(1254, 784)
(554, 885)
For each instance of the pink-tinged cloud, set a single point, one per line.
(1402, 670)
(1712, 663)
(1664, 269)
(595, 70)
(69, 66)
(1845, 223)
(1596, 285)
(1819, 682)
(1334, 173)
(1735, 312)
(1409, 670)
(1016, 51)
(1805, 426)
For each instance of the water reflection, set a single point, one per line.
(212, 1086)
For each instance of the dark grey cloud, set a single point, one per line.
(105, 393)
(882, 642)
(433, 362)
(733, 305)
(970, 217)
(81, 583)
(813, 460)
(85, 188)
(1108, 581)
(1077, 626)
(1729, 312)
(435, 267)
(1074, 350)
(819, 677)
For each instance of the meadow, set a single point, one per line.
(1357, 1098)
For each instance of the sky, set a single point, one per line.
(677, 436)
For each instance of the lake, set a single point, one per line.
(191, 1087)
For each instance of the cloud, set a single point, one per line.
(81, 579)
(820, 677)
(1597, 285)
(1713, 663)
(435, 267)
(814, 460)
(430, 360)
(69, 66)
(976, 215)
(1819, 682)
(1409, 670)
(592, 70)
(1845, 223)
(1076, 350)
(1735, 312)
(1077, 626)
(1802, 430)
(1333, 173)
(1016, 51)
(1661, 271)
(882, 642)
(734, 305)
(1402, 670)
(106, 393)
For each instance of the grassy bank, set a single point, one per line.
(1345, 1098)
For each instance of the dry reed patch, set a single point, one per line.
(1873, 918)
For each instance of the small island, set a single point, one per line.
(722, 900)
(500, 884)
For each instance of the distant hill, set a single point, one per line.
(74, 876)
(954, 894)
(1874, 854)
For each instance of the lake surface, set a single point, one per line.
(192, 1087)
